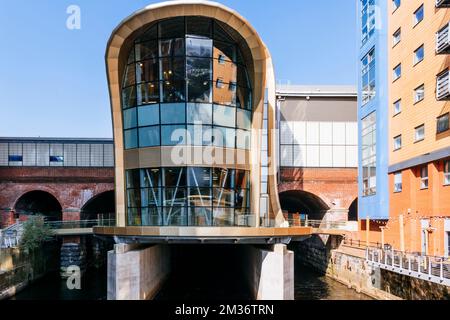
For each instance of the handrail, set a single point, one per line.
(80, 224)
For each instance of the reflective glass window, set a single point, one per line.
(224, 116)
(199, 91)
(129, 118)
(147, 71)
(148, 93)
(148, 115)
(129, 97)
(224, 137)
(197, 47)
(199, 27)
(173, 91)
(172, 135)
(199, 113)
(130, 139)
(244, 119)
(147, 50)
(199, 135)
(173, 113)
(171, 47)
(149, 137)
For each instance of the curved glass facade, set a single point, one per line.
(186, 83)
(188, 196)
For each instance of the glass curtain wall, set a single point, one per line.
(188, 196)
(186, 83)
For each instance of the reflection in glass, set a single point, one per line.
(199, 26)
(198, 69)
(173, 113)
(223, 217)
(224, 137)
(226, 71)
(130, 76)
(150, 178)
(134, 216)
(130, 138)
(223, 178)
(200, 113)
(174, 177)
(224, 94)
(200, 216)
(146, 50)
(199, 177)
(197, 47)
(149, 137)
(199, 91)
(171, 47)
(129, 118)
(172, 69)
(199, 135)
(149, 34)
(173, 91)
(243, 138)
(224, 116)
(148, 115)
(172, 28)
(132, 177)
(148, 93)
(244, 119)
(243, 98)
(172, 135)
(147, 71)
(129, 97)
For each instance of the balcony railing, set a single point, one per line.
(443, 86)
(429, 268)
(443, 40)
(442, 3)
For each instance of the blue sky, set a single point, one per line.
(53, 80)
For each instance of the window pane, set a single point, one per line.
(172, 69)
(147, 50)
(150, 178)
(224, 137)
(198, 69)
(199, 47)
(130, 138)
(199, 177)
(224, 116)
(199, 113)
(132, 178)
(244, 119)
(147, 71)
(129, 118)
(223, 217)
(224, 93)
(243, 139)
(200, 197)
(175, 177)
(172, 28)
(130, 75)
(243, 98)
(199, 91)
(200, 216)
(148, 115)
(224, 51)
(199, 135)
(226, 71)
(242, 77)
(171, 48)
(129, 97)
(148, 93)
(149, 137)
(173, 113)
(223, 178)
(173, 91)
(149, 34)
(199, 26)
(173, 135)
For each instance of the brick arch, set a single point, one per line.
(53, 192)
(101, 189)
(314, 190)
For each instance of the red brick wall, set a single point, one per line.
(329, 184)
(72, 187)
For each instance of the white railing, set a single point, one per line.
(10, 236)
(443, 86)
(443, 39)
(429, 268)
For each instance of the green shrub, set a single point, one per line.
(35, 233)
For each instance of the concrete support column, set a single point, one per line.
(136, 272)
(271, 273)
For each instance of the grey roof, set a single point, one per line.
(316, 90)
(56, 140)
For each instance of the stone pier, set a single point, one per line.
(137, 272)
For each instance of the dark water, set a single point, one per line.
(52, 287)
(190, 284)
(310, 285)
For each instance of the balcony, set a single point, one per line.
(442, 3)
(443, 40)
(443, 86)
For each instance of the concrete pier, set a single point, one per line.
(137, 272)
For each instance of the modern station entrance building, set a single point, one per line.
(193, 105)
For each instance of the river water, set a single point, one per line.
(308, 286)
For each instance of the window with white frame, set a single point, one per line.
(424, 177)
(397, 72)
(369, 155)
(367, 19)
(418, 15)
(419, 93)
(397, 142)
(397, 182)
(419, 54)
(419, 133)
(395, 4)
(368, 77)
(447, 172)
(397, 36)
(397, 107)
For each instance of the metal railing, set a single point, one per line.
(430, 268)
(305, 222)
(443, 86)
(10, 236)
(443, 39)
(442, 3)
(80, 224)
